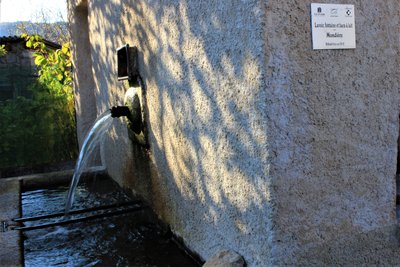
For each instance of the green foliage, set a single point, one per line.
(3, 50)
(55, 66)
(41, 129)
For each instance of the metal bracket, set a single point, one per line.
(136, 122)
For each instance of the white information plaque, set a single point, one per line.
(333, 26)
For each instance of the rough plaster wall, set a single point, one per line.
(84, 86)
(207, 170)
(222, 77)
(104, 31)
(333, 156)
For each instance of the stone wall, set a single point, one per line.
(258, 144)
(17, 70)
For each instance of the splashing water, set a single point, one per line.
(92, 139)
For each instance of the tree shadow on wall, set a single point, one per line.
(207, 170)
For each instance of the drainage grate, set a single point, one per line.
(100, 212)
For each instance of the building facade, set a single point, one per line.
(256, 142)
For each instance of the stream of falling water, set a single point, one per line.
(92, 139)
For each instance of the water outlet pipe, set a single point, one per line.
(132, 113)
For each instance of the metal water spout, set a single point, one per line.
(133, 115)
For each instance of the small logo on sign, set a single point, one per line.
(334, 12)
(349, 13)
(319, 12)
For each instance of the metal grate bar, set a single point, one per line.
(73, 212)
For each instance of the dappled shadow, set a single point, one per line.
(207, 172)
(207, 169)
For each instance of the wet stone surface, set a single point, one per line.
(131, 239)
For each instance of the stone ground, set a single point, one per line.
(10, 252)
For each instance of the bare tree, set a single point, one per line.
(53, 31)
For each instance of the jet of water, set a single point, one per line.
(93, 138)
